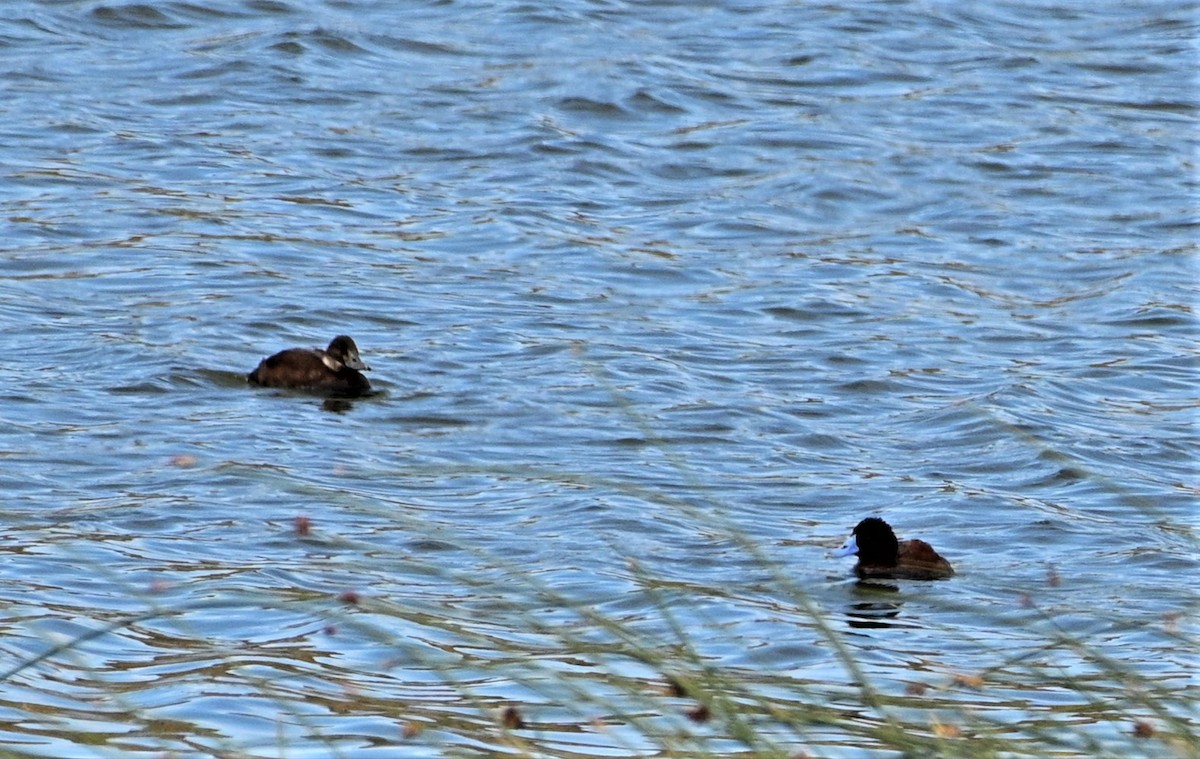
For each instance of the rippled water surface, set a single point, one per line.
(660, 300)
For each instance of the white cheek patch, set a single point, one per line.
(331, 362)
(849, 548)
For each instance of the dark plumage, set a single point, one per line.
(880, 554)
(333, 371)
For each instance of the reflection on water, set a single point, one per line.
(337, 405)
(874, 614)
(881, 611)
(661, 301)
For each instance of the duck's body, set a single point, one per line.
(881, 555)
(333, 371)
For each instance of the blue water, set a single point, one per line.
(660, 299)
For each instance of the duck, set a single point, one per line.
(881, 555)
(336, 371)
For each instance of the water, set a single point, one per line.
(660, 300)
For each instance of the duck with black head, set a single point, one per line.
(336, 371)
(881, 555)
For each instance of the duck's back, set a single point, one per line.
(915, 560)
(919, 561)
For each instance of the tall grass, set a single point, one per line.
(534, 671)
(524, 667)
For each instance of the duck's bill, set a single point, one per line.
(849, 548)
